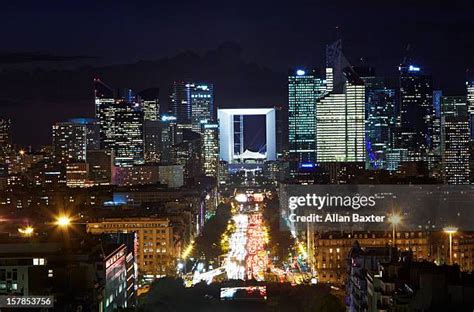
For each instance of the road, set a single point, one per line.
(247, 258)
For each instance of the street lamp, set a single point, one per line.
(63, 221)
(394, 219)
(450, 230)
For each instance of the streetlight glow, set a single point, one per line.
(450, 230)
(63, 221)
(395, 219)
(26, 231)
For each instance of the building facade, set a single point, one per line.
(210, 149)
(157, 248)
(304, 88)
(416, 112)
(121, 130)
(70, 142)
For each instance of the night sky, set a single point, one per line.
(271, 34)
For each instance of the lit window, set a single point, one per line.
(38, 261)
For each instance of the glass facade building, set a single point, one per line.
(121, 130)
(455, 139)
(304, 88)
(417, 113)
(192, 103)
(340, 125)
(210, 149)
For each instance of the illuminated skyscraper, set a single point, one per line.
(92, 131)
(340, 123)
(380, 126)
(210, 149)
(416, 112)
(455, 139)
(202, 105)
(69, 142)
(152, 140)
(454, 106)
(470, 101)
(102, 94)
(121, 130)
(304, 88)
(169, 136)
(381, 119)
(5, 136)
(188, 153)
(193, 103)
(181, 103)
(150, 104)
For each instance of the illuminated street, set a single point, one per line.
(247, 258)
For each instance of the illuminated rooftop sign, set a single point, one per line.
(300, 72)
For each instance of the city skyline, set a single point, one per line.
(247, 156)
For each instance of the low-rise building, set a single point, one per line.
(92, 276)
(332, 248)
(157, 248)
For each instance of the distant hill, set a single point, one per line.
(35, 99)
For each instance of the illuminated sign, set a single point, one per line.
(168, 118)
(300, 72)
(211, 126)
(413, 68)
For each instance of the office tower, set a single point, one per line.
(126, 95)
(69, 142)
(304, 88)
(455, 140)
(150, 104)
(5, 137)
(181, 103)
(210, 149)
(202, 105)
(102, 94)
(437, 99)
(416, 112)
(395, 158)
(340, 122)
(470, 100)
(188, 153)
(121, 130)
(170, 135)
(380, 115)
(454, 106)
(92, 132)
(455, 150)
(152, 140)
(192, 103)
(380, 125)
